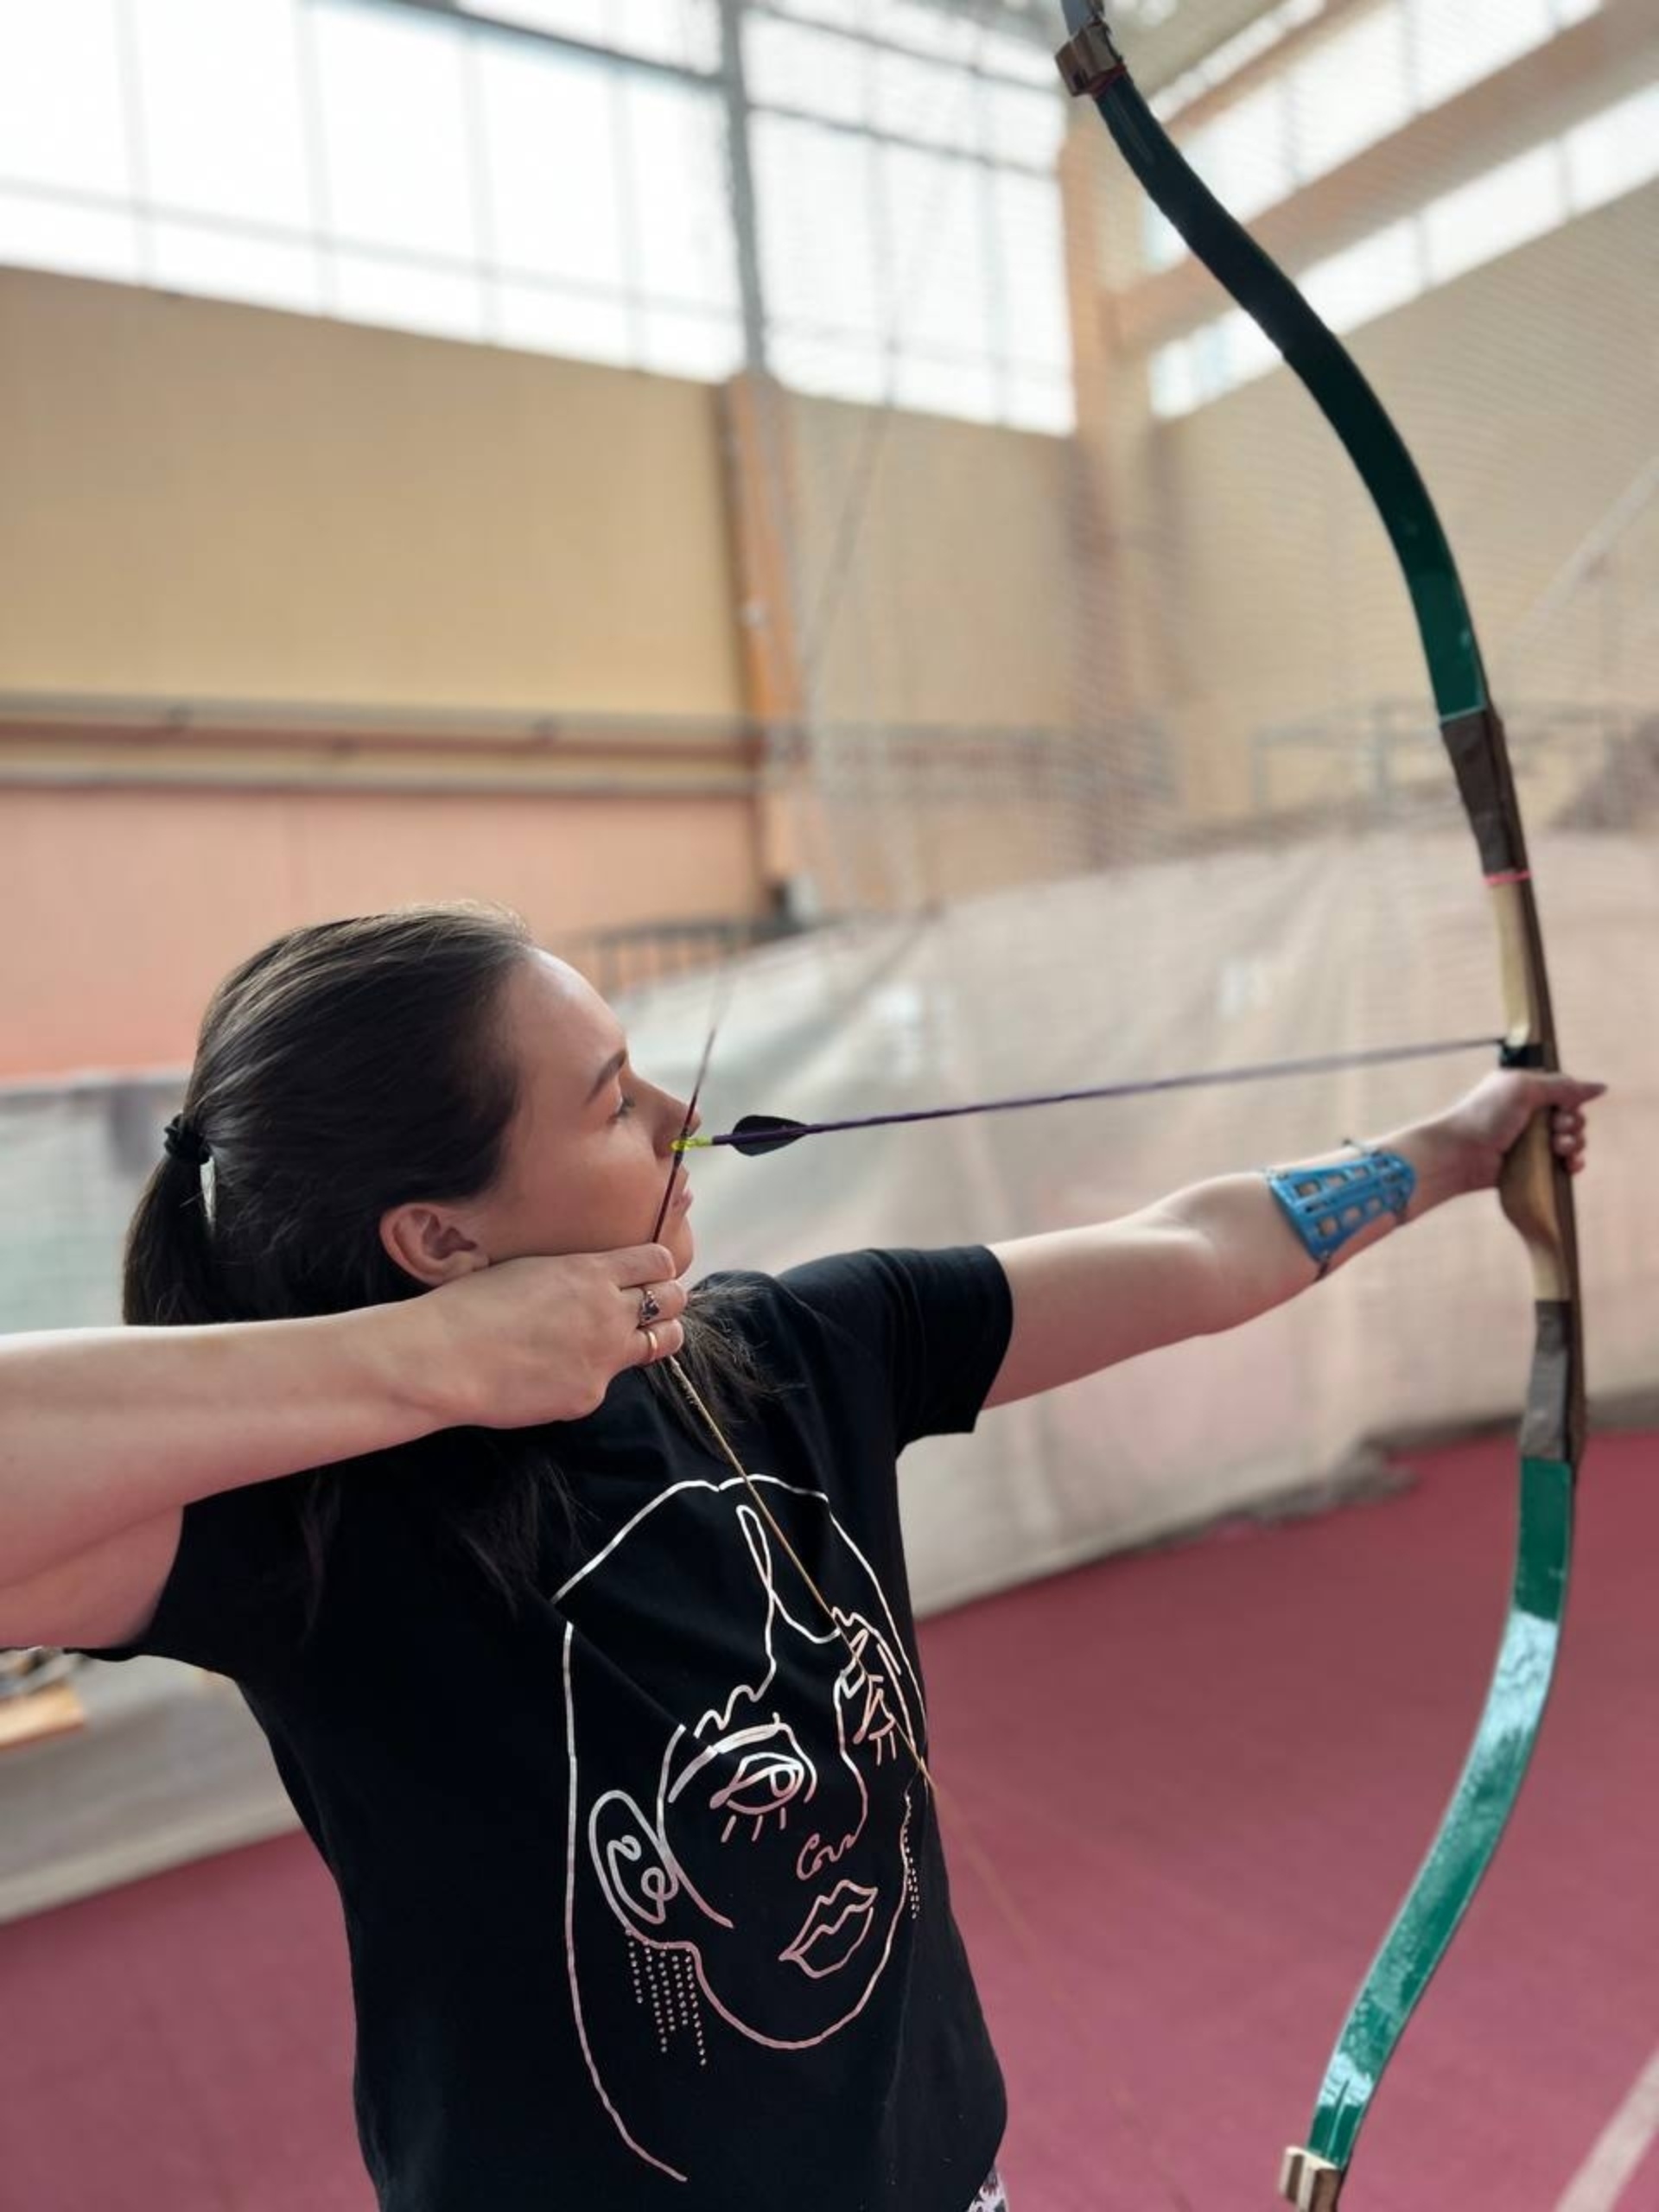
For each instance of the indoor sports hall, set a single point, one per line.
(1060, 613)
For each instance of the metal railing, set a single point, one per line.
(1385, 753)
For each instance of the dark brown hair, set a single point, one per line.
(349, 1067)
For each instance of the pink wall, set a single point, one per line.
(120, 909)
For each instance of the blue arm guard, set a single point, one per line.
(1327, 1205)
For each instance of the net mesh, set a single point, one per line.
(1123, 752)
(1112, 754)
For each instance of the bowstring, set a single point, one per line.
(719, 1002)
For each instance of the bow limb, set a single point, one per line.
(1537, 1189)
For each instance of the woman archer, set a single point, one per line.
(574, 1607)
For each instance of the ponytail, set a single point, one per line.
(168, 1278)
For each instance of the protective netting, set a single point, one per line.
(1128, 742)
(1115, 756)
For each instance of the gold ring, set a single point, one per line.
(650, 1336)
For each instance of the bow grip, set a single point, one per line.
(1532, 1190)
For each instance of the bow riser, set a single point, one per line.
(1537, 1189)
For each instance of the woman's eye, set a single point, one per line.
(879, 1723)
(763, 1788)
(873, 1718)
(624, 1108)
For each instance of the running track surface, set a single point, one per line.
(1204, 1775)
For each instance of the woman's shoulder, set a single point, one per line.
(875, 1296)
(914, 1337)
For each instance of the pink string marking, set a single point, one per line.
(1509, 875)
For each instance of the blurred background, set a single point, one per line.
(752, 486)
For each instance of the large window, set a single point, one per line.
(910, 223)
(1599, 160)
(1348, 89)
(569, 190)
(371, 162)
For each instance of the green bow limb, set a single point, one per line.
(1536, 1191)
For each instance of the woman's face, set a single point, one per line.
(588, 1158)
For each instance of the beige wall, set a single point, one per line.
(1528, 393)
(934, 570)
(207, 501)
(210, 499)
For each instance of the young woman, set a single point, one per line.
(610, 1727)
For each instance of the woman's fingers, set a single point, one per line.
(1566, 1091)
(652, 1301)
(638, 1265)
(655, 1340)
(1567, 1137)
(655, 1301)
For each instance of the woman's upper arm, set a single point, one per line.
(105, 1595)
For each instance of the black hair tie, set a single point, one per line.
(184, 1142)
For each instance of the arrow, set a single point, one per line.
(761, 1133)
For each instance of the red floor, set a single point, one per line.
(1203, 1777)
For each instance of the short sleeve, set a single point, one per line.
(937, 1323)
(234, 1600)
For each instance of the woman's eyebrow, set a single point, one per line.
(608, 1073)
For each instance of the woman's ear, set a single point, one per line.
(639, 1882)
(429, 1244)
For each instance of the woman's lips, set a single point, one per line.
(833, 1930)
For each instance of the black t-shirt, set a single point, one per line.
(643, 1889)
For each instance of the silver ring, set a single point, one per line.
(649, 1309)
(650, 1336)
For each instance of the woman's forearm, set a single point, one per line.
(1203, 1259)
(1219, 1253)
(101, 1428)
(1259, 1262)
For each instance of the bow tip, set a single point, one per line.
(1088, 61)
(1310, 2182)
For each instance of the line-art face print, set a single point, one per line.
(750, 1881)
